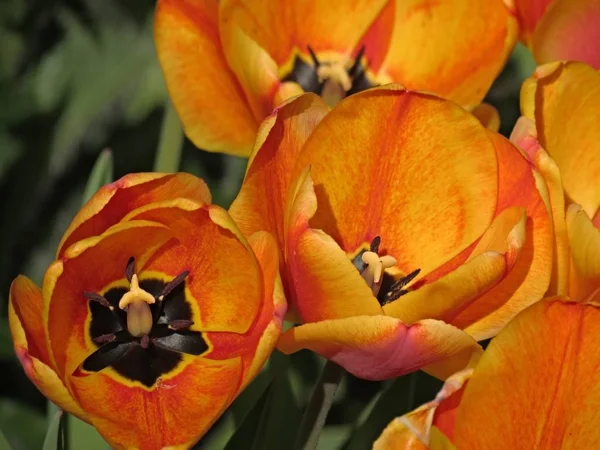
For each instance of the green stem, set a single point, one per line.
(318, 407)
(168, 156)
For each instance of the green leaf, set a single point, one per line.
(4, 445)
(396, 400)
(284, 413)
(249, 429)
(23, 426)
(90, 77)
(102, 174)
(244, 403)
(51, 442)
(10, 149)
(168, 155)
(334, 436)
(318, 407)
(84, 436)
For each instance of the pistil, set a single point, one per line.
(136, 303)
(372, 267)
(375, 265)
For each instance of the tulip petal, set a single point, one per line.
(261, 200)
(566, 117)
(569, 31)
(175, 413)
(584, 242)
(208, 98)
(479, 35)
(280, 28)
(529, 261)
(90, 265)
(411, 431)
(113, 201)
(488, 116)
(25, 317)
(402, 171)
(524, 136)
(326, 285)
(448, 295)
(220, 262)
(255, 346)
(252, 65)
(400, 435)
(529, 13)
(439, 441)
(555, 339)
(381, 347)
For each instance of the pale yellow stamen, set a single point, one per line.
(373, 273)
(135, 302)
(336, 81)
(335, 72)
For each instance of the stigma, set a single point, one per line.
(374, 268)
(136, 303)
(335, 80)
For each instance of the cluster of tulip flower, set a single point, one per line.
(381, 212)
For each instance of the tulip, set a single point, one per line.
(155, 314)
(560, 29)
(559, 131)
(407, 230)
(228, 64)
(534, 387)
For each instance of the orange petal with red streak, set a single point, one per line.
(525, 136)
(224, 279)
(556, 339)
(280, 28)
(569, 31)
(206, 94)
(174, 413)
(25, 316)
(529, 13)
(479, 35)
(450, 294)
(256, 345)
(115, 200)
(381, 347)
(261, 201)
(529, 272)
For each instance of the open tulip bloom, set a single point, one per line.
(407, 230)
(227, 64)
(156, 313)
(559, 131)
(536, 386)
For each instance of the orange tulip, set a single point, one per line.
(560, 29)
(228, 63)
(413, 223)
(156, 313)
(536, 386)
(559, 130)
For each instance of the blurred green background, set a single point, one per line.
(78, 76)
